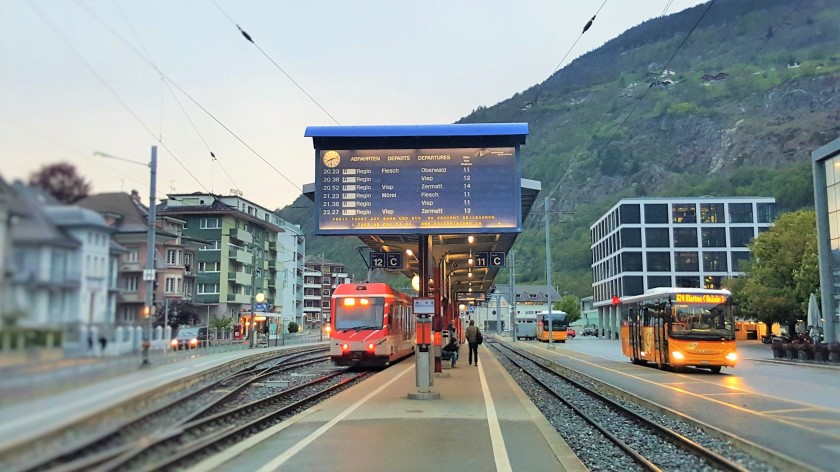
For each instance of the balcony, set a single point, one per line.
(130, 267)
(240, 278)
(272, 265)
(272, 246)
(130, 297)
(241, 235)
(238, 298)
(272, 283)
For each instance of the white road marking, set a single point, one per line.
(500, 455)
(282, 458)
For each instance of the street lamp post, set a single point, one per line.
(149, 273)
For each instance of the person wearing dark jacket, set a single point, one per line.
(471, 333)
(452, 347)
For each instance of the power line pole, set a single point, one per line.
(548, 277)
(149, 275)
(512, 303)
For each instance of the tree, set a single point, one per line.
(221, 323)
(62, 181)
(181, 313)
(293, 327)
(569, 304)
(784, 271)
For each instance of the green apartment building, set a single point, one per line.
(239, 255)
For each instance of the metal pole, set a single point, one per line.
(165, 323)
(513, 294)
(548, 277)
(150, 253)
(207, 334)
(251, 335)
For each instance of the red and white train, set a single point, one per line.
(371, 325)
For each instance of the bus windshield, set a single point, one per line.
(359, 313)
(702, 321)
(556, 325)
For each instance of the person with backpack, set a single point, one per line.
(474, 338)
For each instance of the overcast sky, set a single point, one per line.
(64, 77)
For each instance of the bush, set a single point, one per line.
(293, 327)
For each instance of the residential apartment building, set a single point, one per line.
(321, 277)
(291, 259)
(642, 243)
(530, 300)
(63, 269)
(174, 257)
(241, 252)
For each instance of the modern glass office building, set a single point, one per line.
(643, 243)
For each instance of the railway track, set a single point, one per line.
(179, 447)
(119, 437)
(613, 428)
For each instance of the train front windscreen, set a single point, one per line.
(359, 313)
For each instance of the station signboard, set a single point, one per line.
(425, 191)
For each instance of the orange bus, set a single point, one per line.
(679, 327)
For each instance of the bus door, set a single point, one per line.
(658, 321)
(635, 326)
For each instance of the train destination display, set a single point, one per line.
(417, 190)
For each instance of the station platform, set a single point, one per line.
(482, 421)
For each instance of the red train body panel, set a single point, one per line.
(371, 325)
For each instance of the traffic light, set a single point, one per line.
(147, 311)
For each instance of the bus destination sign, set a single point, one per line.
(417, 191)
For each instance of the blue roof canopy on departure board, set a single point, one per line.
(415, 136)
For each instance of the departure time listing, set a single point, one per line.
(419, 189)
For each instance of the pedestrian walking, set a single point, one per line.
(472, 334)
(90, 342)
(103, 342)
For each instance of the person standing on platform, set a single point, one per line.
(472, 334)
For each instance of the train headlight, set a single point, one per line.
(371, 347)
(677, 355)
(345, 347)
(732, 357)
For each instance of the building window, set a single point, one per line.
(131, 283)
(208, 266)
(632, 285)
(658, 261)
(688, 282)
(188, 259)
(208, 288)
(740, 237)
(714, 261)
(631, 262)
(659, 281)
(740, 213)
(686, 262)
(171, 285)
(210, 223)
(740, 259)
(325, 293)
(656, 213)
(132, 256)
(657, 237)
(215, 246)
(128, 314)
(711, 212)
(631, 237)
(172, 257)
(685, 237)
(629, 214)
(713, 237)
(765, 212)
(684, 213)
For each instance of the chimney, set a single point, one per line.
(135, 196)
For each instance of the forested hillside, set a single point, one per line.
(735, 109)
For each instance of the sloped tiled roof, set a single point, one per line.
(133, 214)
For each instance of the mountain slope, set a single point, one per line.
(737, 111)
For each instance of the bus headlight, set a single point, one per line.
(677, 355)
(732, 357)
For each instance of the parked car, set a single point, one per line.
(589, 331)
(189, 337)
(571, 332)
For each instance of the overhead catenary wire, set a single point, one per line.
(586, 28)
(165, 83)
(251, 40)
(110, 89)
(664, 68)
(190, 97)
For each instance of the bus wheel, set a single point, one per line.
(715, 369)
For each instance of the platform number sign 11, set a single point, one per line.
(481, 259)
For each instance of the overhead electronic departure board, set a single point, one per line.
(418, 190)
